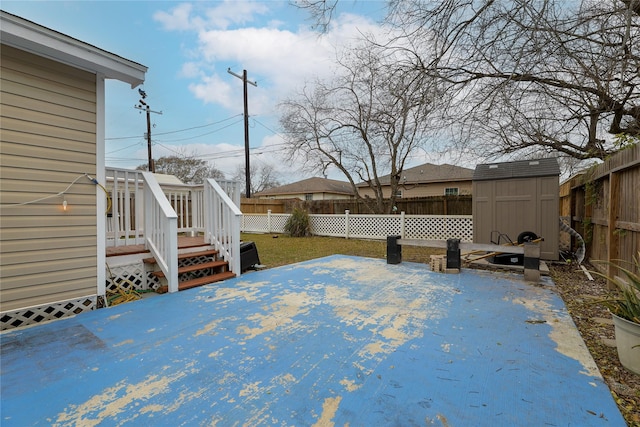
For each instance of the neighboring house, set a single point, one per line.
(310, 189)
(52, 244)
(426, 180)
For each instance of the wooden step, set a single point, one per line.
(201, 281)
(195, 267)
(209, 252)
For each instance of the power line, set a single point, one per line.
(210, 156)
(268, 128)
(200, 127)
(124, 148)
(168, 148)
(201, 135)
(176, 131)
(124, 160)
(273, 148)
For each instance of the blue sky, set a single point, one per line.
(188, 47)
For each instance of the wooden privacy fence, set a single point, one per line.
(261, 206)
(437, 205)
(603, 205)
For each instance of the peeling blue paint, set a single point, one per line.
(334, 341)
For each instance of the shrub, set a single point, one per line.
(298, 224)
(626, 303)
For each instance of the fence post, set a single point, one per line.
(613, 237)
(402, 224)
(268, 220)
(346, 224)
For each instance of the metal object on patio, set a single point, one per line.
(394, 250)
(453, 254)
(511, 258)
(248, 256)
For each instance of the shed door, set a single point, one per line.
(511, 206)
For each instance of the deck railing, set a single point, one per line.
(222, 223)
(126, 217)
(161, 229)
(146, 212)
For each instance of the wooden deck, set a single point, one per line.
(183, 242)
(333, 341)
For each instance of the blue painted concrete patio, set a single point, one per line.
(334, 341)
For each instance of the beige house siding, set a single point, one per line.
(422, 190)
(47, 140)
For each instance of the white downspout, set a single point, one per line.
(101, 203)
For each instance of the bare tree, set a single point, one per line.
(187, 169)
(320, 11)
(366, 121)
(525, 76)
(263, 176)
(530, 75)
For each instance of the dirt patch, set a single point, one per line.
(593, 322)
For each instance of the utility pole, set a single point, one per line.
(144, 107)
(243, 77)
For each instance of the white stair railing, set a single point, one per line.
(144, 212)
(126, 216)
(232, 189)
(161, 229)
(222, 224)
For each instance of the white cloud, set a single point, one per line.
(234, 12)
(212, 89)
(190, 70)
(185, 17)
(277, 53)
(178, 19)
(280, 60)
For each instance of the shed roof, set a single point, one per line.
(310, 185)
(517, 169)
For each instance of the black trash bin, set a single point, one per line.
(394, 250)
(248, 256)
(453, 253)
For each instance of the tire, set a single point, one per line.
(526, 236)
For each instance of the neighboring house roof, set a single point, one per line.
(311, 185)
(427, 173)
(31, 37)
(517, 169)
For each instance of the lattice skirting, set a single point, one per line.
(187, 262)
(130, 277)
(45, 313)
(138, 276)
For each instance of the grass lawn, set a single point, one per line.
(279, 249)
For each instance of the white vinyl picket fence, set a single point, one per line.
(378, 227)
